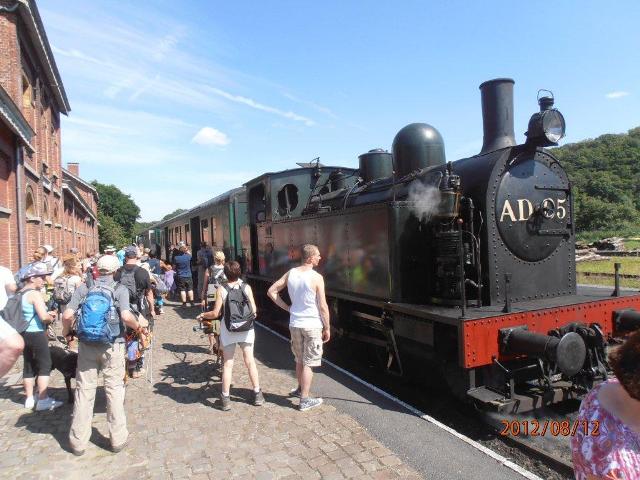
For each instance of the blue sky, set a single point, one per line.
(176, 102)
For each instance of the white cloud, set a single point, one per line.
(617, 94)
(313, 105)
(211, 136)
(259, 106)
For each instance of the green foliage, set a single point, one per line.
(140, 227)
(110, 232)
(605, 174)
(118, 206)
(173, 214)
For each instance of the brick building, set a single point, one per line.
(80, 223)
(35, 192)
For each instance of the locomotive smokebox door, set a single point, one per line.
(532, 206)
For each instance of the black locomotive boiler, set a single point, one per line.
(470, 264)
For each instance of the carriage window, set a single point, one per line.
(287, 199)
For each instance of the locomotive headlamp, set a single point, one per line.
(547, 126)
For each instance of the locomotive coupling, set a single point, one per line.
(568, 352)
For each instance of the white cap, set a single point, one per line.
(48, 248)
(108, 264)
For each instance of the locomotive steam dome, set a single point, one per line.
(375, 164)
(416, 146)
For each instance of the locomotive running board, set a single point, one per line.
(533, 399)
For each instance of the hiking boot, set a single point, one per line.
(225, 402)
(29, 403)
(258, 398)
(47, 404)
(296, 392)
(309, 403)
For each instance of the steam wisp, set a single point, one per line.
(423, 200)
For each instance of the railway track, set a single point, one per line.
(556, 462)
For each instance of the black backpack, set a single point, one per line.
(128, 279)
(238, 315)
(12, 312)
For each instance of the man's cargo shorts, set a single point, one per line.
(306, 345)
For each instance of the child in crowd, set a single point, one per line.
(169, 281)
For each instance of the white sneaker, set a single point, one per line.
(47, 404)
(29, 403)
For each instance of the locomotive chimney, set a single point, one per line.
(497, 114)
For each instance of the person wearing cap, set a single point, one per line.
(141, 281)
(36, 356)
(49, 259)
(182, 266)
(104, 357)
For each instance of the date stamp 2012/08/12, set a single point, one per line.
(556, 428)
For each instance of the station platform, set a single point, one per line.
(177, 430)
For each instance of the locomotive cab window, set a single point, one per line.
(287, 199)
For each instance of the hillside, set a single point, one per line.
(605, 173)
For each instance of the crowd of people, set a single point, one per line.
(133, 283)
(107, 304)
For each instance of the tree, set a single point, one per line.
(173, 214)
(605, 174)
(118, 206)
(141, 227)
(110, 233)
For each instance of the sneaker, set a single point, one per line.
(29, 403)
(309, 403)
(47, 404)
(120, 447)
(51, 334)
(296, 392)
(184, 304)
(225, 401)
(258, 398)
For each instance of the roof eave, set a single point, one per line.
(35, 27)
(13, 118)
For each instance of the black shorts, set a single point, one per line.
(37, 359)
(185, 284)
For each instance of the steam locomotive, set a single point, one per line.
(466, 265)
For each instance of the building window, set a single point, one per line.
(5, 172)
(27, 92)
(30, 205)
(45, 210)
(56, 214)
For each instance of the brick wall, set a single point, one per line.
(52, 218)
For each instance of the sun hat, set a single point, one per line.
(108, 264)
(36, 269)
(109, 248)
(48, 248)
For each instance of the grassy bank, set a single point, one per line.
(629, 266)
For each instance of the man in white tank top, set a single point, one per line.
(308, 319)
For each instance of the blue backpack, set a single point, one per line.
(98, 319)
